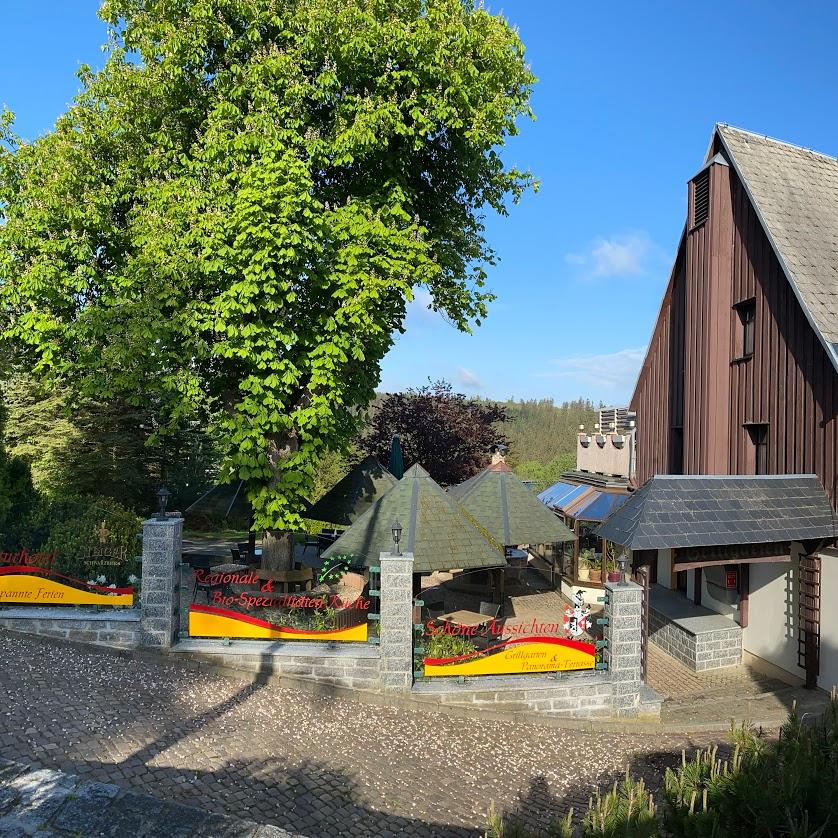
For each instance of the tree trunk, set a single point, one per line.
(277, 550)
(278, 545)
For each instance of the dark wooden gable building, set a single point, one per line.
(741, 374)
(741, 378)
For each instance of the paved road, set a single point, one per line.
(316, 765)
(53, 804)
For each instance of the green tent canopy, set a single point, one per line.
(506, 508)
(354, 494)
(436, 530)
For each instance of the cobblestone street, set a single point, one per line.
(311, 764)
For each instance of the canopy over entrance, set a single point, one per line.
(350, 497)
(436, 530)
(506, 508)
(691, 511)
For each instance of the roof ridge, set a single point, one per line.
(729, 476)
(832, 158)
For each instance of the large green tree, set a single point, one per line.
(236, 209)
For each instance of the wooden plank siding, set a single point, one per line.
(693, 375)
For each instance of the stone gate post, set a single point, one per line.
(396, 626)
(622, 653)
(160, 592)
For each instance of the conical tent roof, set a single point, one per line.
(350, 497)
(435, 529)
(503, 505)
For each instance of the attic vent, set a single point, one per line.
(701, 198)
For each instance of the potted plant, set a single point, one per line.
(611, 567)
(589, 566)
(595, 564)
(584, 567)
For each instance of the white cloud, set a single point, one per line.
(468, 379)
(612, 373)
(419, 310)
(626, 254)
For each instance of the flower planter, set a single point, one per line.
(584, 574)
(596, 576)
(614, 575)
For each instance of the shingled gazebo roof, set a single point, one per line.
(350, 497)
(436, 530)
(506, 508)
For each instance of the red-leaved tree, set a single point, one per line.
(445, 432)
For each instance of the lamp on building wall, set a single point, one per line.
(163, 495)
(396, 529)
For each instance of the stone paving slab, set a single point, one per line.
(43, 802)
(311, 764)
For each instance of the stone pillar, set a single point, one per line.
(160, 593)
(396, 627)
(623, 650)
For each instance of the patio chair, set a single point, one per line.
(490, 609)
(205, 563)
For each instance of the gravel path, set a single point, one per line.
(320, 766)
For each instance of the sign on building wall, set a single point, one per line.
(231, 601)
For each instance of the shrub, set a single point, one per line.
(765, 789)
(72, 526)
(444, 645)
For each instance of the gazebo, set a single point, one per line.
(350, 497)
(498, 500)
(435, 530)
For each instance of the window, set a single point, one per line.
(701, 197)
(759, 439)
(676, 450)
(747, 311)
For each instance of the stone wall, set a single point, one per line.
(699, 650)
(113, 628)
(622, 653)
(160, 593)
(350, 665)
(396, 627)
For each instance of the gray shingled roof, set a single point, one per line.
(703, 511)
(439, 533)
(504, 506)
(795, 192)
(350, 497)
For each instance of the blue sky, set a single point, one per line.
(627, 98)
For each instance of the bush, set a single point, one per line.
(766, 789)
(444, 645)
(72, 526)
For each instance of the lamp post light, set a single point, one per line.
(622, 561)
(396, 529)
(163, 496)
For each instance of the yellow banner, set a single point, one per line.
(208, 621)
(539, 654)
(41, 590)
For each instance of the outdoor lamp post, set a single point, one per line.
(396, 529)
(163, 496)
(622, 561)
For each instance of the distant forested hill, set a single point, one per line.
(542, 436)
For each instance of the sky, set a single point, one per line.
(627, 97)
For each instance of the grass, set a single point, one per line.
(217, 535)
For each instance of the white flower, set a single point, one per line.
(101, 579)
(112, 585)
(91, 581)
(132, 580)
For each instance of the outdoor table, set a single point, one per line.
(229, 568)
(466, 618)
